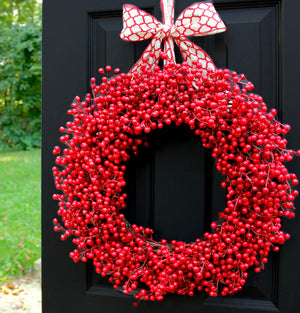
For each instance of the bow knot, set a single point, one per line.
(197, 20)
(168, 30)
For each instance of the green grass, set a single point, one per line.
(20, 211)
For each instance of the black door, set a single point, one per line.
(172, 186)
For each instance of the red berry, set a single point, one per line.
(247, 143)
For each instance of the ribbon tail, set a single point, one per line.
(191, 52)
(169, 50)
(152, 60)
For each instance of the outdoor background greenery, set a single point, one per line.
(20, 211)
(20, 74)
(20, 129)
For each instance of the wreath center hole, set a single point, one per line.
(169, 186)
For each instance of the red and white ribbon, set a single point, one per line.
(200, 19)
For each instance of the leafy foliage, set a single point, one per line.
(20, 75)
(19, 12)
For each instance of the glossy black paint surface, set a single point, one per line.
(173, 185)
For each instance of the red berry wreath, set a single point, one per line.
(234, 123)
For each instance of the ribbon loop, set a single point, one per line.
(199, 19)
(137, 24)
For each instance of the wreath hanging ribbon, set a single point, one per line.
(199, 19)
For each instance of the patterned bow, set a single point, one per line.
(199, 19)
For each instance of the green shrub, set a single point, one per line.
(20, 79)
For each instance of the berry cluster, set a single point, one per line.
(247, 142)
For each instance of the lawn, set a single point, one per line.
(20, 211)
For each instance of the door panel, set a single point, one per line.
(172, 186)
